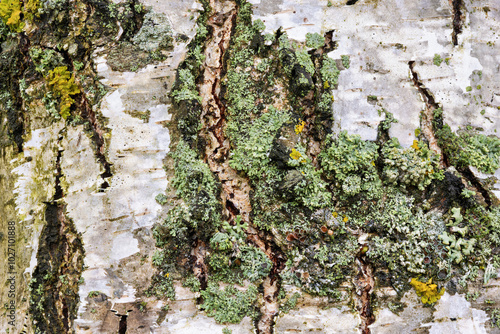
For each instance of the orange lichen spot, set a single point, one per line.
(300, 127)
(324, 229)
(427, 291)
(295, 155)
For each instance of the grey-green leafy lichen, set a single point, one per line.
(326, 200)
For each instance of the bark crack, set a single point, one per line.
(427, 125)
(427, 114)
(364, 287)
(458, 18)
(235, 194)
(88, 113)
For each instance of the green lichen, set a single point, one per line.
(346, 62)
(349, 158)
(252, 151)
(415, 166)
(314, 40)
(437, 60)
(45, 60)
(329, 72)
(470, 149)
(228, 305)
(187, 87)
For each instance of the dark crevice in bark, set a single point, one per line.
(364, 285)
(54, 288)
(427, 116)
(97, 132)
(351, 2)
(469, 175)
(458, 8)
(235, 194)
(428, 124)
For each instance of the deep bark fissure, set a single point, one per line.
(427, 116)
(458, 18)
(427, 125)
(98, 140)
(54, 296)
(235, 194)
(364, 285)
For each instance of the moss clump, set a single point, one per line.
(62, 84)
(228, 305)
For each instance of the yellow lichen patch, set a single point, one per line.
(300, 127)
(10, 12)
(427, 291)
(346, 219)
(295, 155)
(415, 145)
(62, 83)
(335, 214)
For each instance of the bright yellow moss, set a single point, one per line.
(62, 83)
(427, 291)
(300, 127)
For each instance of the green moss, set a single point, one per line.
(228, 305)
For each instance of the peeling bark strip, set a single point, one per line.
(54, 287)
(235, 194)
(427, 114)
(458, 18)
(364, 287)
(235, 189)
